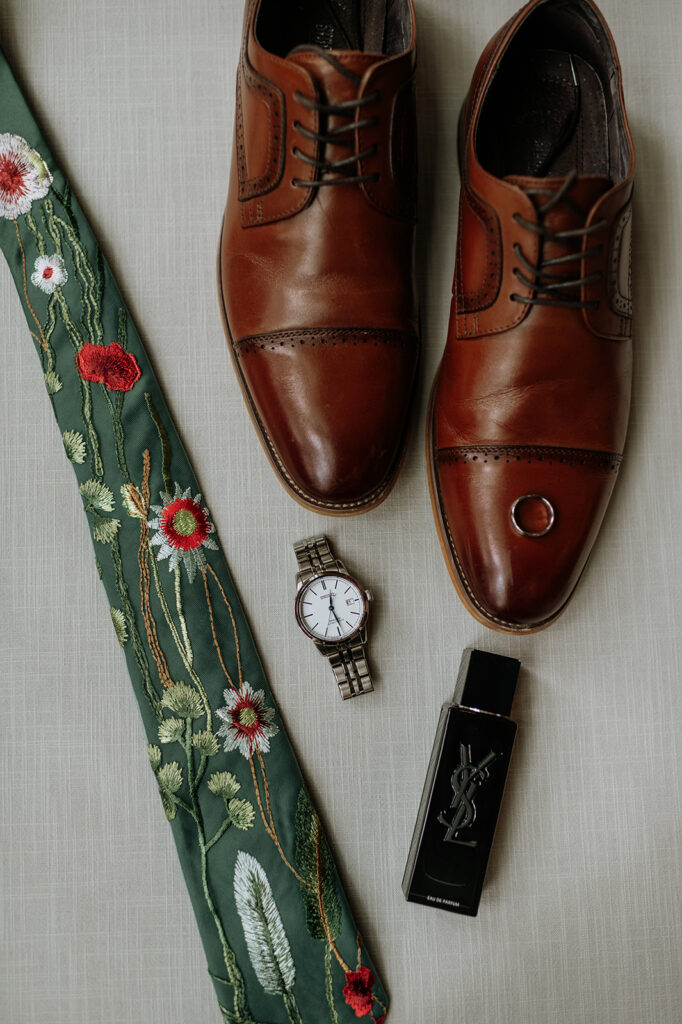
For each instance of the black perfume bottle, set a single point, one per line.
(464, 785)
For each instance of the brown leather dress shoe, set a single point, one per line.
(530, 406)
(316, 263)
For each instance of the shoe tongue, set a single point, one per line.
(330, 79)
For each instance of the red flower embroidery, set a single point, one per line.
(247, 721)
(108, 365)
(358, 991)
(185, 524)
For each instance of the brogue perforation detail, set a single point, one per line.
(608, 462)
(621, 304)
(485, 295)
(324, 337)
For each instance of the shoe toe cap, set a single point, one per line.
(520, 525)
(333, 407)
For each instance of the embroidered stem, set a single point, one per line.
(51, 318)
(330, 984)
(185, 806)
(145, 587)
(234, 624)
(122, 333)
(40, 241)
(140, 656)
(178, 642)
(92, 433)
(213, 630)
(86, 397)
(181, 616)
(270, 825)
(118, 435)
(241, 1008)
(43, 343)
(92, 315)
(320, 902)
(200, 772)
(266, 823)
(163, 438)
(292, 1008)
(221, 832)
(49, 328)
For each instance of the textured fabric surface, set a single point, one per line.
(580, 916)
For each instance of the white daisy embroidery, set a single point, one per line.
(49, 273)
(247, 722)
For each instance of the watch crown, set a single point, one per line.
(369, 595)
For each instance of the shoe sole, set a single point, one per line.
(461, 586)
(293, 490)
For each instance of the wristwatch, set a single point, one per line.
(331, 608)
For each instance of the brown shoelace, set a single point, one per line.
(551, 288)
(335, 136)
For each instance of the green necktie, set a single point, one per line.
(280, 940)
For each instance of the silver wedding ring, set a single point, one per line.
(528, 533)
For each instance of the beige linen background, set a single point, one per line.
(580, 919)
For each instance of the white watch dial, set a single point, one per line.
(331, 607)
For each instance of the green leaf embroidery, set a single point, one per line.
(154, 756)
(183, 700)
(119, 621)
(169, 777)
(315, 865)
(206, 743)
(98, 495)
(169, 805)
(266, 940)
(241, 813)
(134, 504)
(74, 444)
(104, 530)
(171, 730)
(53, 382)
(224, 784)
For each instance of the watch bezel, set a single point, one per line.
(336, 574)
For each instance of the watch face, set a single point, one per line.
(331, 607)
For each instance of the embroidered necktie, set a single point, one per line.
(279, 937)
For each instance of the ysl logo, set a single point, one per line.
(466, 780)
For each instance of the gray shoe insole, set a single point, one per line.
(342, 24)
(551, 118)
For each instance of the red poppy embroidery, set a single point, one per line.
(108, 365)
(358, 991)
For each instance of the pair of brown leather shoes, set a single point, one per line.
(529, 409)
